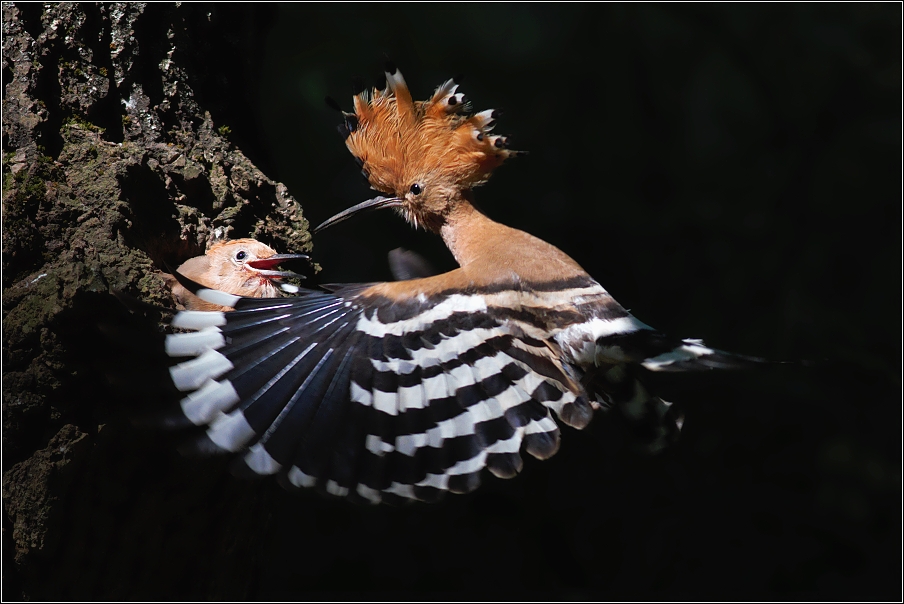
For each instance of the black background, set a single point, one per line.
(728, 172)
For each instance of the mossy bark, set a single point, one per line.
(113, 169)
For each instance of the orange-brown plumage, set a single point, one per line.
(487, 252)
(403, 144)
(429, 155)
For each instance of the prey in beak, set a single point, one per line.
(264, 266)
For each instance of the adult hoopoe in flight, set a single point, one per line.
(244, 267)
(409, 389)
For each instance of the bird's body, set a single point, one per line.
(239, 266)
(409, 389)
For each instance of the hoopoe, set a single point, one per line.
(243, 267)
(407, 390)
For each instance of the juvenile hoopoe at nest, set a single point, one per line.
(409, 389)
(244, 267)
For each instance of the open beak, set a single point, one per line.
(263, 267)
(376, 203)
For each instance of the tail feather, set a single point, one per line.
(693, 355)
(658, 352)
(654, 423)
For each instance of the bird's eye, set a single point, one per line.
(241, 255)
(416, 189)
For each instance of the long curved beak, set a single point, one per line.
(263, 267)
(377, 203)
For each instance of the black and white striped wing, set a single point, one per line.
(364, 397)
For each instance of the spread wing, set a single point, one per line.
(372, 398)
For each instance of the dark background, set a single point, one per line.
(729, 172)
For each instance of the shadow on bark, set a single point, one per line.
(119, 162)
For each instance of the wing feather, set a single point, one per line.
(364, 397)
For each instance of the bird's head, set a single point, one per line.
(243, 259)
(423, 155)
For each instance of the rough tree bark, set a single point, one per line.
(115, 163)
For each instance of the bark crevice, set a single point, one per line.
(113, 170)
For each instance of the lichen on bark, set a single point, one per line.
(113, 169)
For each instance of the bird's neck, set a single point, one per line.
(490, 251)
(466, 230)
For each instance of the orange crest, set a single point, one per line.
(397, 140)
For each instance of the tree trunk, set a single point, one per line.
(117, 164)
